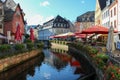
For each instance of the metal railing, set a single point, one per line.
(114, 59)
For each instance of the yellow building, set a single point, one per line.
(100, 5)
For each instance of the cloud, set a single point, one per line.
(82, 1)
(35, 20)
(38, 19)
(49, 18)
(45, 3)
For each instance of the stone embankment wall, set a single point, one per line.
(87, 63)
(9, 62)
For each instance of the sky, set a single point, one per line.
(40, 11)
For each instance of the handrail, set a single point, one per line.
(113, 60)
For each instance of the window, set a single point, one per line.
(0, 11)
(64, 25)
(114, 11)
(83, 19)
(58, 25)
(87, 19)
(54, 24)
(67, 25)
(111, 13)
(0, 26)
(61, 25)
(119, 36)
(98, 21)
(114, 23)
(111, 24)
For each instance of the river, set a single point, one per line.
(50, 65)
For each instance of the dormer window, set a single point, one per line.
(83, 19)
(88, 19)
(61, 25)
(108, 3)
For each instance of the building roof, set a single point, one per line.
(88, 16)
(102, 4)
(8, 15)
(10, 12)
(0, 1)
(50, 21)
(54, 20)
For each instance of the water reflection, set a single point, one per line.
(21, 71)
(52, 65)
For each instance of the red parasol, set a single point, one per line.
(18, 35)
(31, 34)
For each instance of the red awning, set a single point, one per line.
(96, 29)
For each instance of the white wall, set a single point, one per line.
(113, 17)
(106, 17)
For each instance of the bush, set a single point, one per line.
(19, 47)
(113, 72)
(28, 41)
(102, 56)
(39, 45)
(30, 46)
(5, 47)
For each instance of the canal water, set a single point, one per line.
(50, 65)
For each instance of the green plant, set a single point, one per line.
(5, 47)
(40, 45)
(30, 46)
(19, 47)
(102, 56)
(28, 41)
(113, 72)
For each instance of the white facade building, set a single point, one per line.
(55, 26)
(115, 20)
(105, 17)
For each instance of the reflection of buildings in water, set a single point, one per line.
(53, 60)
(59, 64)
(48, 57)
(60, 61)
(56, 50)
(78, 70)
(23, 69)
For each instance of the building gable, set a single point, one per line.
(9, 13)
(18, 19)
(57, 22)
(86, 17)
(60, 22)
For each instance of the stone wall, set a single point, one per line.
(9, 62)
(87, 63)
